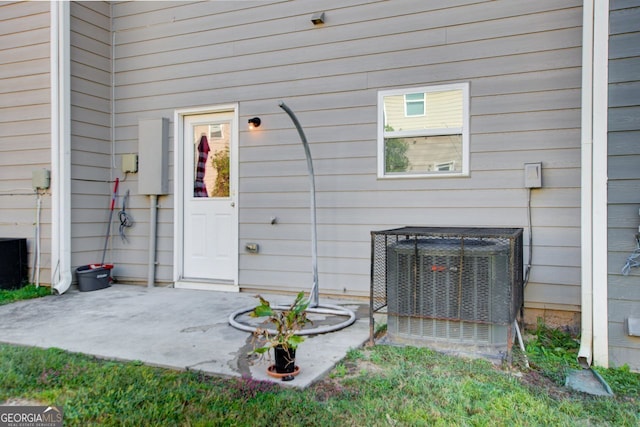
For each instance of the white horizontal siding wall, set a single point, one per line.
(522, 60)
(624, 178)
(91, 145)
(25, 109)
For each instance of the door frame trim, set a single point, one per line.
(178, 196)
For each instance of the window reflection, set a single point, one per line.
(423, 131)
(424, 154)
(211, 160)
(430, 110)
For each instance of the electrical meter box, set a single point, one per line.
(153, 156)
(40, 179)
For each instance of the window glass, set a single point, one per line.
(414, 104)
(211, 160)
(423, 154)
(424, 131)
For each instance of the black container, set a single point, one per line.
(92, 278)
(285, 362)
(14, 266)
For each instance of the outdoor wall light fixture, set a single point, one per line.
(317, 18)
(254, 122)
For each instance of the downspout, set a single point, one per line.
(594, 336)
(600, 183)
(112, 119)
(60, 147)
(586, 164)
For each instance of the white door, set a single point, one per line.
(210, 220)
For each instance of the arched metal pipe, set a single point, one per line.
(314, 305)
(314, 294)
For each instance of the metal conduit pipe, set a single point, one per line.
(153, 220)
(38, 250)
(314, 294)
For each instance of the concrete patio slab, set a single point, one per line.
(173, 328)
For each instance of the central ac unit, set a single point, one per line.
(453, 293)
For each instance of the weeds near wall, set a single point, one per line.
(27, 292)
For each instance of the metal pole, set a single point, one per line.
(153, 225)
(314, 295)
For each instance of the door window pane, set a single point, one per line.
(211, 160)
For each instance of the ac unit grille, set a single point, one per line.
(430, 278)
(448, 286)
(446, 330)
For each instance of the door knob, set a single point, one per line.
(233, 204)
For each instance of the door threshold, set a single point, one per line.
(203, 285)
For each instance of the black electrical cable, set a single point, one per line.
(634, 259)
(125, 219)
(525, 282)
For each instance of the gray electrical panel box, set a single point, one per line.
(633, 326)
(40, 178)
(129, 163)
(153, 156)
(533, 175)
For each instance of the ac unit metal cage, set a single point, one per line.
(453, 289)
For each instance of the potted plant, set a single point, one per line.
(283, 339)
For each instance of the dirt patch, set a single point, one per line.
(363, 365)
(337, 384)
(21, 402)
(334, 386)
(537, 380)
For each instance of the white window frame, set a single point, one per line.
(217, 128)
(463, 131)
(449, 165)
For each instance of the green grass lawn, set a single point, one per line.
(381, 385)
(376, 386)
